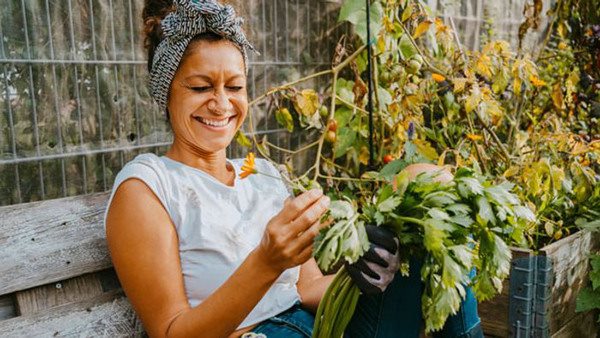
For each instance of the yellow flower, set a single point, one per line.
(536, 81)
(438, 77)
(248, 167)
(474, 137)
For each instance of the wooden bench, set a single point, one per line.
(56, 276)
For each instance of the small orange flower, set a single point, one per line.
(474, 137)
(248, 167)
(438, 77)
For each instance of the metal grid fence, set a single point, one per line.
(74, 101)
(73, 94)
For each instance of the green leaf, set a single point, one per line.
(587, 299)
(393, 168)
(468, 186)
(355, 12)
(341, 209)
(345, 140)
(438, 214)
(284, 118)
(389, 204)
(485, 212)
(595, 272)
(407, 49)
(242, 140)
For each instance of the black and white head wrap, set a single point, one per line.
(191, 18)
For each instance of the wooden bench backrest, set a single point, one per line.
(56, 270)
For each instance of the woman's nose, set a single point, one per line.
(220, 103)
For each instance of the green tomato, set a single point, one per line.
(323, 111)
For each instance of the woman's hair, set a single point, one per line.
(153, 13)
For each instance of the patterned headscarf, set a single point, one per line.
(191, 18)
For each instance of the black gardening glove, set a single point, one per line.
(375, 270)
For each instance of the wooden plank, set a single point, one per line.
(494, 312)
(49, 241)
(582, 325)
(7, 307)
(570, 265)
(58, 293)
(109, 315)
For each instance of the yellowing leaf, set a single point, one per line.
(517, 86)
(421, 29)
(438, 77)
(536, 81)
(459, 84)
(425, 149)
(407, 12)
(307, 102)
(473, 100)
(483, 66)
(557, 96)
(284, 118)
(242, 140)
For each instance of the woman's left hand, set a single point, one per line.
(376, 269)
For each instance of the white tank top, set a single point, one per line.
(218, 225)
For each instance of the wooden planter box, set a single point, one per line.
(538, 298)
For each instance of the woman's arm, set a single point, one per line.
(144, 248)
(312, 285)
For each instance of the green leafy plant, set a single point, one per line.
(453, 227)
(589, 297)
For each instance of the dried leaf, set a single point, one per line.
(422, 28)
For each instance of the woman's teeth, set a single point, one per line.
(214, 123)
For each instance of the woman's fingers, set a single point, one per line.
(293, 207)
(311, 215)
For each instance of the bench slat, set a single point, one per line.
(109, 315)
(44, 297)
(48, 241)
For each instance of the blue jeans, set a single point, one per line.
(394, 313)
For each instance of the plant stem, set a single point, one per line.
(289, 84)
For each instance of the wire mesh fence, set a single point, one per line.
(73, 95)
(75, 106)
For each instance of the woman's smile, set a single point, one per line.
(217, 123)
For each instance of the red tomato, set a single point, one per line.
(387, 159)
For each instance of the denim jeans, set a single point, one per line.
(394, 313)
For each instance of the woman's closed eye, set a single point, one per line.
(201, 89)
(235, 88)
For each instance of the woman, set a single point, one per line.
(199, 252)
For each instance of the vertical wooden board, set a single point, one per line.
(54, 294)
(7, 307)
(494, 312)
(570, 265)
(582, 325)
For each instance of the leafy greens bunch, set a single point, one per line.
(451, 227)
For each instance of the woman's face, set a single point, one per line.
(208, 100)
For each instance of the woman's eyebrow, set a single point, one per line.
(209, 79)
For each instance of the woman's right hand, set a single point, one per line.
(288, 237)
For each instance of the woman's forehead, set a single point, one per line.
(213, 56)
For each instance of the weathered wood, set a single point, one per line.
(7, 307)
(582, 325)
(44, 297)
(494, 312)
(570, 265)
(49, 241)
(109, 315)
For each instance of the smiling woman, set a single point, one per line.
(201, 252)
(198, 251)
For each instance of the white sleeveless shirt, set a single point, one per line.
(218, 225)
